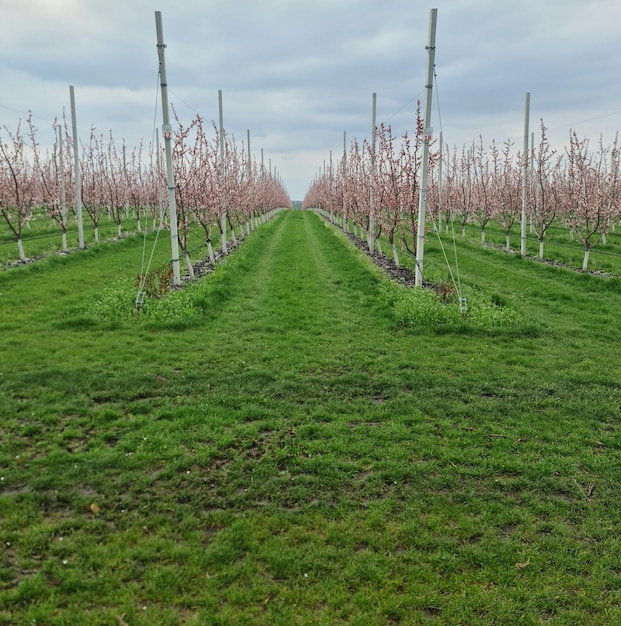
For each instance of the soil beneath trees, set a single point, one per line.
(402, 275)
(405, 277)
(205, 266)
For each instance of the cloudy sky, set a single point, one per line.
(297, 73)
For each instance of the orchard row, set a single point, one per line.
(218, 184)
(376, 185)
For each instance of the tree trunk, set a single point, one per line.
(395, 256)
(212, 259)
(585, 262)
(118, 231)
(541, 248)
(482, 235)
(96, 229)
(188, 264)
(20, 248)
(64, 244)
(507, 242)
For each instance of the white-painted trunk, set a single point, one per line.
(96, 234)
(212, 258)
(463, 231)
(378, 245)
(482, 235)
(233, 237)
(541, 249)
(118, 231)
(585, 261)
(395, 256)
(603, 239)
(571, 234)
(248, 227)
(64, 242)
(507, 242)
(188, 264)
(20, 248)
(138, 225)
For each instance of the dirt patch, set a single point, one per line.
(402, 275)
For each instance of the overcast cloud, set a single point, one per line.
(297, 73)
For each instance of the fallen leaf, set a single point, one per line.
(95, 508)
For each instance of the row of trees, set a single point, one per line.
(215, 178)
(219, 182)
(376, 187)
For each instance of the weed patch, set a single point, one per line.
(429, 309)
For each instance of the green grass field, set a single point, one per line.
(273, 445)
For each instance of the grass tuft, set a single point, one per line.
(430, 309)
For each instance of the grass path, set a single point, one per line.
(290, 456)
